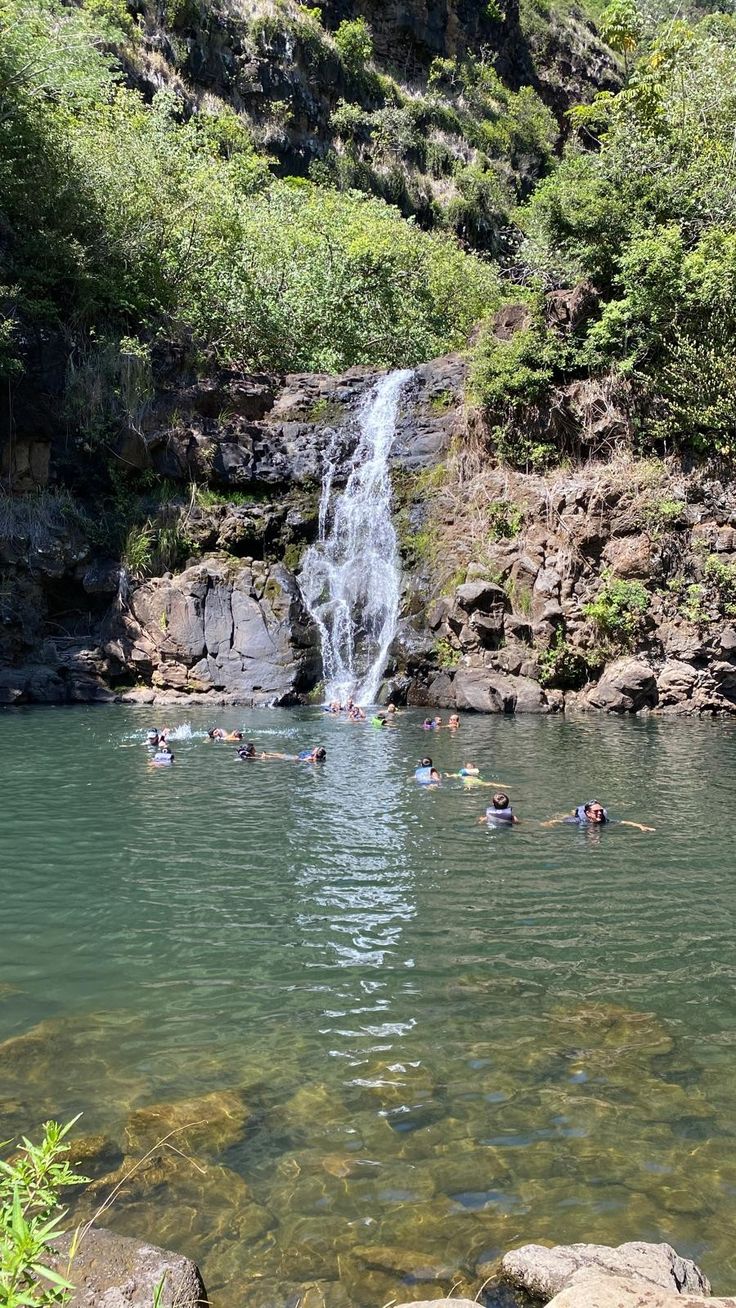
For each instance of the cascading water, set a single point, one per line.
(350, 578)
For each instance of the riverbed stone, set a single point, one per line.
(543, 1272)
(113, 1271)
(596, 1290)
(211, 1122)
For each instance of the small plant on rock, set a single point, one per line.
(31, 1181)
(562, 665)
(505, 520)
(617, 612)
(721, 577)
(446, 654)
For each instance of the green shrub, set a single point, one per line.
(617, 613)
(446, 654)
(721, 579)
(31, 1183)
(505, 520)
(562, 665)
(354, 44)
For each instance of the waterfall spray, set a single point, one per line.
(350, 578)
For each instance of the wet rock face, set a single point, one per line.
(243, 431)
(123, 1273)
(238, 629)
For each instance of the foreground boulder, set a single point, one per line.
(543, 1273)
(112, 1271)
(595, 1290)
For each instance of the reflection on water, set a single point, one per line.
(413, 1042)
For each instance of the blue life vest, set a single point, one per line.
(162, 758)
(305, 753)
(423, 776)
(499, 814)
(582, 817)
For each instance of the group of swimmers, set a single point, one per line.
(500, 813)
(162, 756)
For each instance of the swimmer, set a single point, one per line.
(426, 774)
(153, 738)
(356, 714)
(316, 755)
(391, 708)
(453, 722)
(428, 724)
(162, 757)
(437, 722)
(247, 752)
(469, 774)
(499, 812)
(219, 733)
(593, 814)
(378, 720)
(335, 707)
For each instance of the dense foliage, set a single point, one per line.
(130, 220)
(642, 208)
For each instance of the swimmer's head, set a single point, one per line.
(595, 812)
(426, 763)
(472, 769)
(211, 733)
(320, 754)
(238, 735)
(500, 799)
(249, 749)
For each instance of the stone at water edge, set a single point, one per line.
(543, 1272)
(439, 1303)
(112, 1271)
(596, 1290)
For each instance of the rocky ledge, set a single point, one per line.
(120, 1272)
(610, 587)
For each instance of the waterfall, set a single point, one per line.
(350, 578)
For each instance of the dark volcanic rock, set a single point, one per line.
(222, 626)
(117, 1272)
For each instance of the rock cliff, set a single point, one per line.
(610, 586)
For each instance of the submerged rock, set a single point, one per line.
(211, 1122)
(112, 1271)
(543, 1272)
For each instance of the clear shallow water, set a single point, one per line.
(414, 1042)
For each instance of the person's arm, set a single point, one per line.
(555, 822)
(483, 818)
(515, 821)
(639, 826)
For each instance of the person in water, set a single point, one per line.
(162, 757)
(453, 722)
(316, 755)
(219, 733)
(499, 812)
(378, 720)
(428, 724)
(426, 774)
(391, 708)
(247, 751)
(356, 714)
(593, 814)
